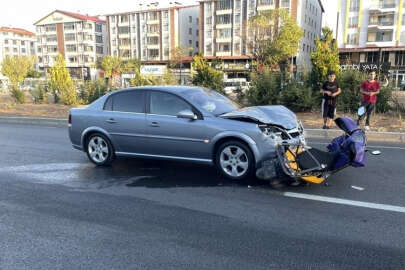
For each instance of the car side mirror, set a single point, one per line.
(187, 114)
(361, 111)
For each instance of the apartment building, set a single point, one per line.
(224, 29)
(81, 39)
(371, 35)
(151, 34)
(15, 42)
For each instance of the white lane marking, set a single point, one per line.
(368, 146)
(378, 206)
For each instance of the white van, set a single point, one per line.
(230, 85)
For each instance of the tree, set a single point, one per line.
(325, 58)
(61, 84)
(176, 57)
(206, 75)
(111, 65)
(274, 37)
(16, 69)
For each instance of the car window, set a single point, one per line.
(129, 101)
(108, 104)
(167, 104)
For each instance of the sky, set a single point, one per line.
(24, 13)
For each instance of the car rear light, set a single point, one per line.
(70, 119)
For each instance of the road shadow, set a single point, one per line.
(163, 174)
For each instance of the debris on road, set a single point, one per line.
(357, 188)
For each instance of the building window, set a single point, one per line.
(372, 57)
(52, 38)
(124, 18)
(73, 59)
(99, 39)
(88, 48)
(22, 43)
(224, 19)
(197, 32)
(50, 28)
(133, 29)
(99, 50)
(190, 42)
(123, 30)
(165, 14)
(196, 44)
(14, 42)
(88, 26)
(224, 47)
(70, 37)
(52, 49)
(352, 39)
(113, 19)
(208, 20)
(197, 21)
(113, 30)
(353, 22)
(153, 53)
(190, 19)
(400, 58)
(71, 48)
(354, 5)
(99, 28)
(69, 26)
(23, 50)
(15, 50)
(224, 4)
(190, 31)
(224, 33)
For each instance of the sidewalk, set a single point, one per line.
(396, 137)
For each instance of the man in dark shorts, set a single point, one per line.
(370, 89)
(330, 90)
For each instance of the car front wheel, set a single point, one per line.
(235, 160)
(99, 149)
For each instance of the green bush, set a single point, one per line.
(39, 95)
(384, 99)
(18, 95)
(350, 82)
(297, 97)
(264, 88)
(89, 91)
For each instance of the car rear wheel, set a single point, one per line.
(99, 149)
(235, 160)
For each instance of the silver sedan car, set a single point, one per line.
(184, 123)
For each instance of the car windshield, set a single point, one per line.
(210, 100)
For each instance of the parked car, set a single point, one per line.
(183, 123)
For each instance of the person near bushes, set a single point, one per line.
(330, 90)
(370, 88)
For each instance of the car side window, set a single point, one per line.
(108, 104)
(167, 104)
(132, 101)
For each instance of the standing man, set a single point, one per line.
(370, 89)
(330, 90)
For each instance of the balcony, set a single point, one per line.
(265, 5)
(223, 53)
(224, 25)
(152, 46)
(380, 38)
(152, 21)
(383, 7)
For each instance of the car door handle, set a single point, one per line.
(111, 121)
(154, 124)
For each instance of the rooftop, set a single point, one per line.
(16, 31)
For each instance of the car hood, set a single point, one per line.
(276, 115)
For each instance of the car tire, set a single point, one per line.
(99, 149)
(235, 160)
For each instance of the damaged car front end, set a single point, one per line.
(279, 128)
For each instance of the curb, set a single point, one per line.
(397, 137)
(34, 121)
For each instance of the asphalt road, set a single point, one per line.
(57, 211)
